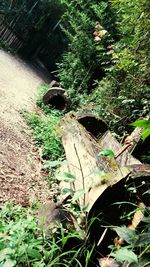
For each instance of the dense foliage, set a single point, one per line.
(22, 242)
(108, 45)
(126, 87)
(90, 30)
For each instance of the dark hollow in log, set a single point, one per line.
(92, 124)
(56, 98)
(108, 214)
(142, 150)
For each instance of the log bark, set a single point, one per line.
(93, 173)
(123, 157)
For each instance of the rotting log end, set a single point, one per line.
(56, 98)
(94, 125)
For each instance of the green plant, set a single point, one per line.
(41, 90)
(125, 88)
(22, 243)
(145, 125)
(45, 134)
(85, 60)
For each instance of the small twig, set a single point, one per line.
(122, 150)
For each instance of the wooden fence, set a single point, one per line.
(10, 37)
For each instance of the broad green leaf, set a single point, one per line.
(67, 177)
(106, 153)
(141, 123)
(125, 255)
(145, 134)
(146, 219)
(68, 190)
(78, 194)
(126, 234)
(52, 164)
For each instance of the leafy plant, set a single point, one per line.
(124, 90)
(145, 125)
(45, 134)
(85, 60)
(22, 242)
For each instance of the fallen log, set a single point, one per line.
(56, 97)
(93, 124)
(91, 173)
(122, 156)
(116, 201)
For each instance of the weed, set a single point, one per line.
(42, 89)
(45, 134)
(22, 242)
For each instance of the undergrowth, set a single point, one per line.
(23, 244)
(45, 135)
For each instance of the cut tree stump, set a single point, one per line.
(56, 97)
(93, 173)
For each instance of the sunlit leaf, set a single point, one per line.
(9, 263)
(106, 153)
(141, 123)
(4, 252)
(145, 133)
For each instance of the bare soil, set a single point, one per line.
(20, 164)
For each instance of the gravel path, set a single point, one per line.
(20, 164)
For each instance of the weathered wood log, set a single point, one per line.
(50, 215)
(56, 97)
(93, 124)
(123, 157)
(93, 173)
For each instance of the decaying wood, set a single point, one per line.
(92, 123)
(113, 203)
(57, 98)
(93, 173)
(123, 156)
(50, 215)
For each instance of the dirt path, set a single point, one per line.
(20, 164)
